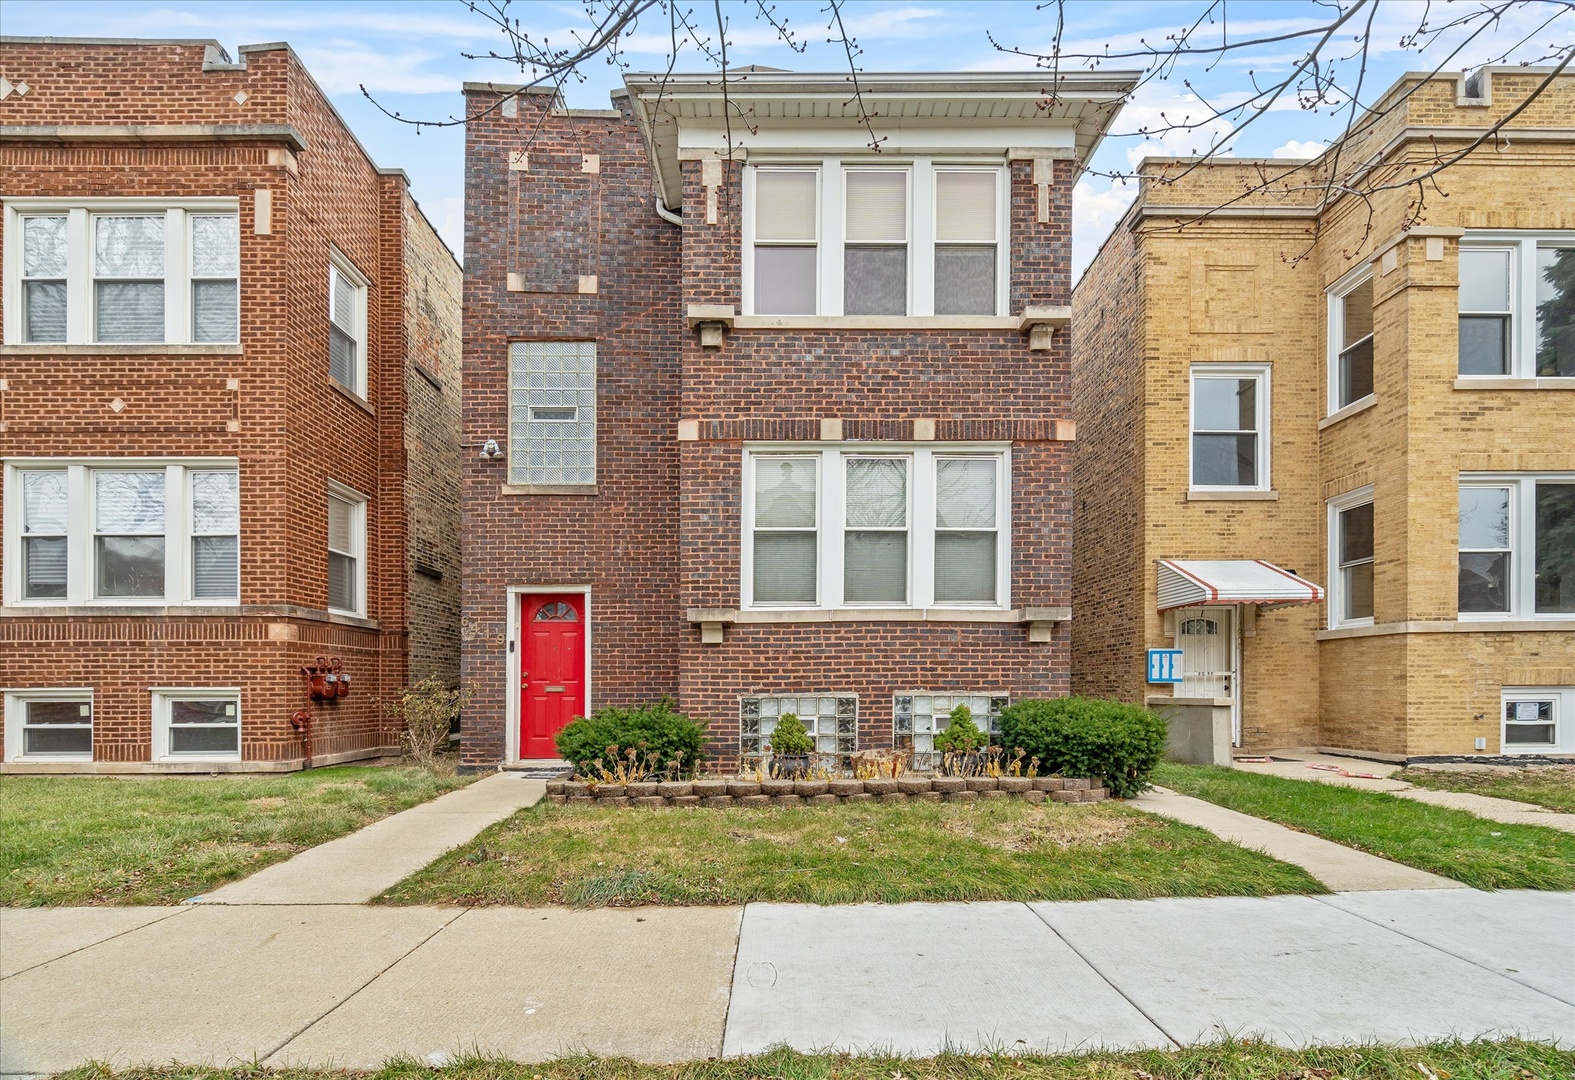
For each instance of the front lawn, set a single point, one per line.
(1552, 786)
(1483, 854)
(1509, 1060)
(159, 840)
(1001, 849)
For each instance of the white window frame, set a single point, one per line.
(16, 702)
(79, 215)
(1522, 246)
(1334, 602)
(831, 518)
(339, 264)
(80, 567)
(1522, 541)
(1263, 399)
(831, 198)
(164, 696)
(1563, 717)
(358, 515)
(1335, 337)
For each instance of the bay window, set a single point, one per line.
(1517, 546)
(855, 527)
(1517, 305)
(1351, 342)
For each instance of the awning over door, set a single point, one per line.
(1194, 582)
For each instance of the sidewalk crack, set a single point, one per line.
(94, 944)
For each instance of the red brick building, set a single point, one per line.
(765, 420)
(229, 395)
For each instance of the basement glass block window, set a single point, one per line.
(832, 720)
(916, 718)
(552, 412)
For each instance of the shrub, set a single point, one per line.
(428, 709)
(660, 737)
(790, 738)
(962, 735)
(1116, 742)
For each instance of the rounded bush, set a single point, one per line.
(1109, 740)
(790, 737)
(962, 735)
(658, 734)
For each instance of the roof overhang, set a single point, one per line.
(1215, 582)
(1065, 115)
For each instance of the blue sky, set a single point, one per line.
(409, 56)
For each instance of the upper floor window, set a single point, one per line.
(1351, 343)
(346, 324)
(859, 527)
(552, 412)
(1517, 305)
(1517, 546)
(122, 532)
(911, 238)
(1230, 426)
(122, 272)
(1351, 557)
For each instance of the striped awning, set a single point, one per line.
(1196, 582)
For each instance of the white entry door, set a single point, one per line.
(1206, 637)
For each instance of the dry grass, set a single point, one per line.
(1552, 786)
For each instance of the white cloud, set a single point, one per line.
(448, 218)
(344, 68)
(1094, 212)
(1297, 148)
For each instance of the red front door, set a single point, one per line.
(552, 669)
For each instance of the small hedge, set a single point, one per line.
(659, 735)
(1116, 742)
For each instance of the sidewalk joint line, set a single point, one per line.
(1325, 900)
(92, 944)
(310, 1024)
(1091, 966)
(732, 981)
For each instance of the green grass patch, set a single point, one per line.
(1552, 786)
(1509, 1060)
(159, 840)
(1000, 849)
(1483, 854)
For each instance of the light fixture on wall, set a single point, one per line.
(490, 449)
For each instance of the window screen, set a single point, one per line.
(965, 241)
(1484, 311)
(786, 229)
(552, 412)
(875, 252)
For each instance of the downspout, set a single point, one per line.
(666, 214)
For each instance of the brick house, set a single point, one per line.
(1378, 402)
(229, 405)
(763, 420)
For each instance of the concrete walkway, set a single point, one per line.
(1341, 868)
(352, 986)
(356, 868)
(1508, 811)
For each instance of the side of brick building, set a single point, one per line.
(220, 421)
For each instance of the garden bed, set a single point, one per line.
(721, 794)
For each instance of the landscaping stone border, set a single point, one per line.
(717, 794)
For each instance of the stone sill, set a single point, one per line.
(178, 611)
(829, 615)
(549, 489)
(876, 322)
(355, 398)
(1357, 406)
(24, 767)
(144, 349)
(1480, 382)
(1161, 699)
(1449, 626)
(1197, 495)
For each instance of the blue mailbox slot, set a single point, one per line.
(1164, 665)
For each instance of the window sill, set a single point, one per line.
(1489, 382)
(1156, 700)
(253, 611)
(1359, 405)
(850, 614)
(155, 608)
(145, 349)
(1448, 626)
(549, 489)
(876, 322)
(360, 402)
(1245, 495)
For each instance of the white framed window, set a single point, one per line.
(121, 532)
(347, 292)
(838, 236)
(122, 271)
(552, 412)
(49, 725)
(1517, 546)
(832, 721)
(918, 716)
(346, 550)
(1351, 339)
(1537, 720)
(1517, 305)
(1230, 427)
(876, 526)
(1350, 597)
(196, 724)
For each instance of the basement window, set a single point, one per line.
(196, 725)
(49, 725)
(832, 721)
(916, 719)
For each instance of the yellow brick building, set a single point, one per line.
(1326, 447)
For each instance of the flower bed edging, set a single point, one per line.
(721, 794)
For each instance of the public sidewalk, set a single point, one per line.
(354, 985)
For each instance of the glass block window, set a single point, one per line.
(552, 412)
(832, 720)
(916, 717)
